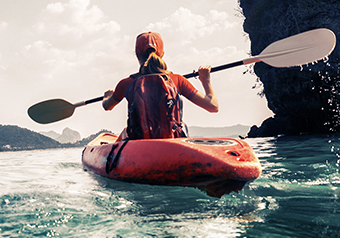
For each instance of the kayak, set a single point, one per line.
(215, 165)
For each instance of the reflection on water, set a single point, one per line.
(47, 193)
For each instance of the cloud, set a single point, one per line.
(183, 25)
(69, 39)
(3, 26)
(77, 38)
(186, 27)
(75, 22)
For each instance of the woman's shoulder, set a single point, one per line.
(123, 84)
(127, 80)
(183, 85)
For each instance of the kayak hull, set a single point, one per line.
(218, 166)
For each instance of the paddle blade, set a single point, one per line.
(51, 111)
(307, 47)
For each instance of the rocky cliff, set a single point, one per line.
(304, 100)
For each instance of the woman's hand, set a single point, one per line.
(204, 74)
(209, 100)
(109, 102)
(108, 94)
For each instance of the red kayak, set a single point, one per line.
(215, 165)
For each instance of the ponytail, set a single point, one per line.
(152, 64)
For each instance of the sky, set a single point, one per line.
(77, 49)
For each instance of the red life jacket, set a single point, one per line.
(154, 108)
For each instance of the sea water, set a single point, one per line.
(46, 193)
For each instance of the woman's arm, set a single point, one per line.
(112, 98)
(209, 100)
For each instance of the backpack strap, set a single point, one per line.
(135, 77)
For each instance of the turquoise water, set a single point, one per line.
(48, 194)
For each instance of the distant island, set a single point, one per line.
(15, 138)
(67, 136)
(227, 131)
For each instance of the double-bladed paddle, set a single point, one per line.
(303, 48)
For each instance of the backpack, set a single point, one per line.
(154, 108)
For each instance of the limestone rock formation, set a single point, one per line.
(68, 136)
(303, 99)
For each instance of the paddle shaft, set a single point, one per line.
(94, 100)
(217, 68)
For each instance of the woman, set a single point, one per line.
(149, 51)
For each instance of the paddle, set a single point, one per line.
(303, 48)
(296, 50)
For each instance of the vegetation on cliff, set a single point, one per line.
(16, 138)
